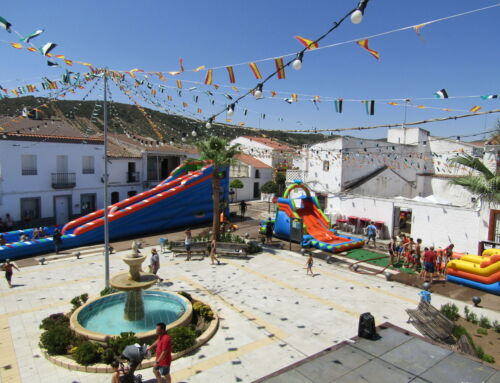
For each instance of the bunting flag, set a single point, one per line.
(317, 99)
(209, 93)
(179, 84)
(370, 107)
(169, 98)
(32, 49)
(216, 86)
(160, 76)
(280, 68)
(295, 97)
(185, 105)
(181, 65)
(241, 124)
(489, 96)
(364, 44)
(5, 24)
(417, 28)
(52, 63)
(230, 71)
(273, 93)
(16, 45)
(47, 48)
(441, 93)
(175, 73)
(255, 70)
(199, 68)
(209, 77)
(393, 103)
(68, 62)
(245, 112)
(153, 92)
(199, 110)
(235, 89)
(228, 96)
(309, 44)
(338, 105)
(475, 109)
(195, 99)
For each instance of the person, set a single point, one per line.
(269, 230)
(3, 241)
(429, 263)
(8, 268)
(448, 253)
(188, 241)
(24, 237)
(418, 254)
(2, 225)
(9, 222)
(117, 372)
(43, 232)
(163, 354)
(155, 263)
(36, 233)
(371, 232)
(422, 270)
(309, 265)
(408, 249)
(243, 209)
(57, 238)
(401, 243)
(392, 247)
(213, 252)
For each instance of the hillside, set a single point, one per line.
(88, 115)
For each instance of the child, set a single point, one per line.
(411, 259)
(418, 254)
(115, 378)
(309, 265)
(393, 249)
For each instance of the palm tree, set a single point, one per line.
(483, 182)
(218, 151)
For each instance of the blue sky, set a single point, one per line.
(460, 55)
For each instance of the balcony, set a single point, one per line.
(63, 180)
(294, 175)
(29, 172)
(133, 177)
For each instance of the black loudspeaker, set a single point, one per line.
(366, 327)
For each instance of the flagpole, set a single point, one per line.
(106, 222)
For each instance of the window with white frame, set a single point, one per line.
(28, 165)
(88, 165)
(326, 166)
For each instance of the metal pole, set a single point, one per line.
(106, 223)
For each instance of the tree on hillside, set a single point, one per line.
(480, 181)
(218, 151)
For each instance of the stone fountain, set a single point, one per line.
(133, 283)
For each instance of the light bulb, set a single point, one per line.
(258, 94)
(230, 110)
(356, 16)
(183, 139)
(171, 143)
(193, 133)
(297, 64)
(208, 125)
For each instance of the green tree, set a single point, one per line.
(280, 180)
(221, 154)
(480, 181)
(236, 184)
(269, 187)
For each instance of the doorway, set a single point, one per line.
(62, 206)
(402, 219)
(115, 197)
(256, 190)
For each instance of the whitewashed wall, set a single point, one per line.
(246, 193)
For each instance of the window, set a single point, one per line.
(87, 203)
(257, 173)
(28, 165)
(30, 209)
(131, 193)
(88, 165)
(326, 166)
(115, 197)
(256, 190)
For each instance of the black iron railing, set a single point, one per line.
(63, 180)
(133, 177)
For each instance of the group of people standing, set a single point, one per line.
(430, 262)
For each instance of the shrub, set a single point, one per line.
(76, 302)
(117, 344)
(108, 290)
(203, 311)
(450, 311)
(470, 316)
(54, 320)
(87, 353)
(84, 298)
(496, 326)
(56, 339)
(182, 338)
(482, 331)
(269, 187)
(458, 331)
(484, 322)
(254, 248)
(236, 184)
(107, 356)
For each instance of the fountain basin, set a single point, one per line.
(103, 317)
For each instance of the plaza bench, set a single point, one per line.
(431, 323)
(179, 247)
(231, 249)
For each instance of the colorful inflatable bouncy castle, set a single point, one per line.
(316, 226)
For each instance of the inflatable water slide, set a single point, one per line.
(479, 272)
(316, 226)
(181, 200)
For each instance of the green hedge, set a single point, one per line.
(87, 353)
(182, 338)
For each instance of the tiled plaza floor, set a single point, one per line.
(272, 314)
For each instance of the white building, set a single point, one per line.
(253, 173)
(51, 173)
(271, 152)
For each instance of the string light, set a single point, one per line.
(230, 109)
(258, 91)
(357, 15)
(297, 63)
(208, 125)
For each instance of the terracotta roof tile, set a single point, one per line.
(252, 161)
(269, 142)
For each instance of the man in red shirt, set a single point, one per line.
(163, 354)
(429, 263)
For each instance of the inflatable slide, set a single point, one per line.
(479, 272)
(183, 199)
(316, 226)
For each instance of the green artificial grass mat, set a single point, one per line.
(363, 255)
